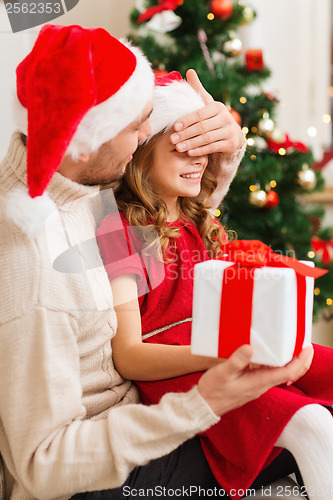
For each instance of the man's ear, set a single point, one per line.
(84, 157)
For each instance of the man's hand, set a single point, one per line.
(231, 384)
(211, 129)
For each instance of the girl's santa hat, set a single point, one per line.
(173, 98)
(77, 89)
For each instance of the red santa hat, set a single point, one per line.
(173, 98)
(78, 88)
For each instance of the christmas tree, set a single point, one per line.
(268, 198)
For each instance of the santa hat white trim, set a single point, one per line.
(171, 102)
(105, 120)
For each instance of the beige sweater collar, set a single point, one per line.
(61, 190)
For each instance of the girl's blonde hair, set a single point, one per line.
(136, 197)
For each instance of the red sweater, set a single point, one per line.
(170, 285)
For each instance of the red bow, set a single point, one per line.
(163, 5)
(286, 143)
(254, 253)
(325, 247)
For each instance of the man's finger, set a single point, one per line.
(302, 362)
(200, 128)
(239, 360)
(205, 113)
(193, 80)
(295, 369)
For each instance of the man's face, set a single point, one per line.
(109, 162)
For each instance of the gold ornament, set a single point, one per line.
(277, 135)
(258, 198)
(248, 15)
(306, 177)
(232, 47)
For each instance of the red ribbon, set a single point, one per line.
(151, 11)
(325, 247)
(248, 255)
(286, 143)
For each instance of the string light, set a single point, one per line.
(253, 187)
(250, 141)
(282, 151)
(245, 130)
(253, 157)
(242, 100)
(316, 291)
(254, 129)
(217, 212)
(312, 131)
(327, 119)
(210, 16)
(311, 254)
(329, 302)
(272, 184)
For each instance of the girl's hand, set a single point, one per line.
(211, 129)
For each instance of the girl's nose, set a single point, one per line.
(200, 160)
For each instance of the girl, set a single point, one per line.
(168, 192)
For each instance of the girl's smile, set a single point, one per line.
(194, 177)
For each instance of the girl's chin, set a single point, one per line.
(190, 193)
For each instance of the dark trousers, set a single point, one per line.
(185, 473)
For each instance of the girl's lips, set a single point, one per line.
(192, 176)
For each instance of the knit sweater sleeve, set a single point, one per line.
(224, 167)
(50, 445)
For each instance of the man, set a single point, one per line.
(69, 423)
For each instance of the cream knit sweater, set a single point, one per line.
(68, 422)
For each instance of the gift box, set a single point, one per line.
(253, 296)
(254, 60)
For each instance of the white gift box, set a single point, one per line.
(273, 327)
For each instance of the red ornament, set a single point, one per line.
(272, 199)
(221, 9)
(269, 95)
(254, 60)
(236, 116)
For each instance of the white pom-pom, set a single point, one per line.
(163, 22)
(29, 214)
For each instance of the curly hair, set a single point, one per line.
(142, 206)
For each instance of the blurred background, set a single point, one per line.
(295, 39)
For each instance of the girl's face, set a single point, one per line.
(173, 174)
